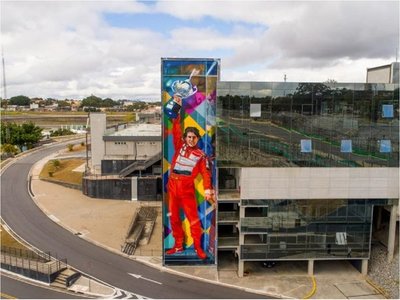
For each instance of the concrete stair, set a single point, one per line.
(65, 278)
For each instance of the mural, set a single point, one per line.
(188, 88)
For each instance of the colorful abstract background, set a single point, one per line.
(197, 111)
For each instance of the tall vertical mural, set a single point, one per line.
(188, 88)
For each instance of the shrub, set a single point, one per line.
(56, 163)
(8, 148)
(51, 170)
(70, 147)
(61, 132)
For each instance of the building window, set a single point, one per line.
(346, 146)
(341, 238)
(387, 111)
(385, 146)
(255, 110)
(306, 146)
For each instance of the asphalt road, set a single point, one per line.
(22, 215)
(12, 288)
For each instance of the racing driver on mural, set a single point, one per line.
(188, 161)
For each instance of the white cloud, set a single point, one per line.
(67, 49)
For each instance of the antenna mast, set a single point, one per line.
(4, 76)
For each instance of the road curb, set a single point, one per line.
(136, 258)
(155, 266)
(175, 272)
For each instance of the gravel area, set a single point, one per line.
(385, 274)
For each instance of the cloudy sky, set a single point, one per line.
(72, 49)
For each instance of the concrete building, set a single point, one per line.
(125, 161)
(306, 171)
(384, 74)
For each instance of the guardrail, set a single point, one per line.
(29, 264)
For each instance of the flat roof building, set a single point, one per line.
(125, 161)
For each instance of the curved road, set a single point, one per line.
(29, 222)
(12, 288)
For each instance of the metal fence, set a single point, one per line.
(25, 253)
(31, 264)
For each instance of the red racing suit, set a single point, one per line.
(187, 163)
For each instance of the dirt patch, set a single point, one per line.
(63, 170)
(8, 240)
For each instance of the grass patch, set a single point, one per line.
(64, 172)
(9, 241)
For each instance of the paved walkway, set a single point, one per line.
(96, 221)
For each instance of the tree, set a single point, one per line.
(329, 80)
(63, 103)
(91, 101)
(26, 134)
(108, 102)
(308, 97)
(61, 132)
(137, 106)
(19, 100)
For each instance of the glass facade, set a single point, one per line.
(303, 229)
(287, 124)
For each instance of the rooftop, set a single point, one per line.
(139, 130)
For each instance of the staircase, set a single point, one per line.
(65, 278)
(140, 229)
(140, 165)
(129, 248)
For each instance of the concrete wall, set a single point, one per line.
(113, 188)
(120, 148)
(146, 150)
(131, 150)
(97, 129)
(379, 75)
(319, 183)
(395, 72)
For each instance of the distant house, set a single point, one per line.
(52, 107)
(74, 104)
(12, 107)
(34, 106)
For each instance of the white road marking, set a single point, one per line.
(137, 276)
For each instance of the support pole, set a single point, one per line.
(241, 268)
(392, 232)
(311, 267)
(364, 267)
